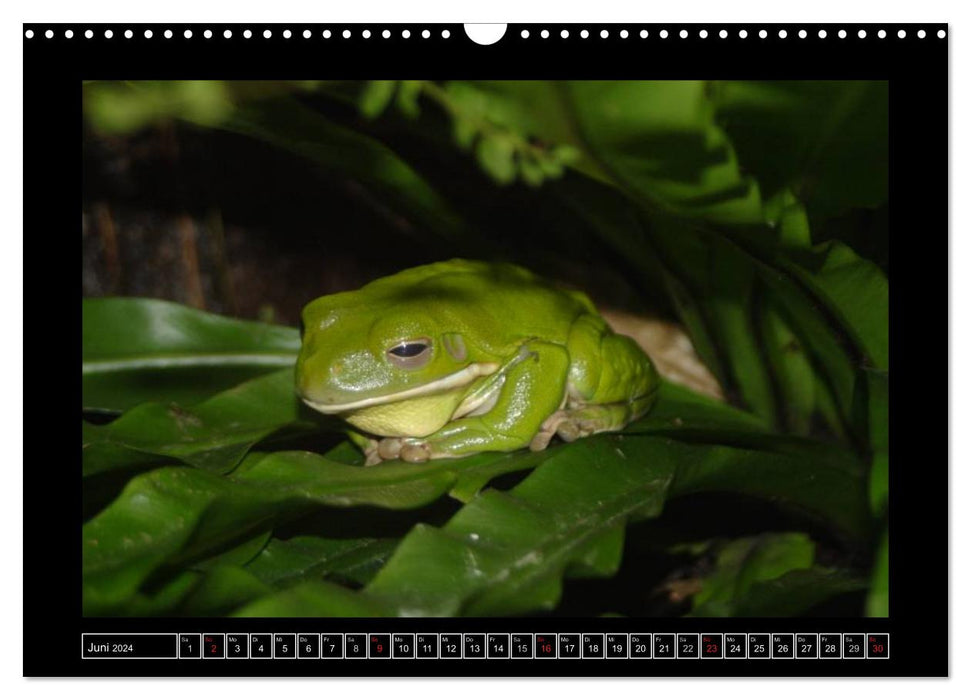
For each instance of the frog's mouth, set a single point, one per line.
(458, 379)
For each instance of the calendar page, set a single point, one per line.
(489, 349)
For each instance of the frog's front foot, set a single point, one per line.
(372, 455)
(415, 452)
(378, 451)
(405, 449)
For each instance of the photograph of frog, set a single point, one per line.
(485, 348)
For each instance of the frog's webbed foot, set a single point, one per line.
(573, 423)
(415, 452)
(547, 430)
(569, 424)
(405, 449)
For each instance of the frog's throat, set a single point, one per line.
(452, 381)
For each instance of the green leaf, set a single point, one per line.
(796, 592)
(506, 553)
(173, 516)
(742, 563)
(680, 412)
(792, 369)
(376, 97)
(496, 156)
(878, 599)
(730, 304)
(770, 575)
(138, 350)
(408, 93)
(827, 140)
(658, 140)
(219, 592)
(214, 435)
(314, 599)
(256, 569)
(788, 214)
(176, 515)
(284, 563)
(824, 481)
(853, 289)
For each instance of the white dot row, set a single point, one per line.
(246, 34)
(445, 34)
(723, 34)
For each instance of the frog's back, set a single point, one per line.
(498, 304)
(513, 297)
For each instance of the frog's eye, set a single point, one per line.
(411, 354)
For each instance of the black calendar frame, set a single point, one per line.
(917, 69)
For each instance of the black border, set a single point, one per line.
(918, 73)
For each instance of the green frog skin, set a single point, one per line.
(459, 357)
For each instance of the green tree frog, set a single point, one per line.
(459, 357)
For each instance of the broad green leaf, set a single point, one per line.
(240, 555)
(314, 599)
(658, 140)
(506, 553)
(214, 435)
(159, 515)
(163, 600)
(796, 592)
(681, 412)
(824, 481)
(283, 563)
(769, 575)
(743, 563)
(878, 599)
(854, 289)
(220, 591)
(827, 140)
(174, 515)
(256, 569)
(138, 350)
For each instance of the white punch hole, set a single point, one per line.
(485, 34)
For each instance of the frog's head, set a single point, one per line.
(390, 368)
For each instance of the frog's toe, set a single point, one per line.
(389, 448)
(541, 440)
(569, 430)
(371, 454)
(415, 452)
(589, 426)
(546, 431)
